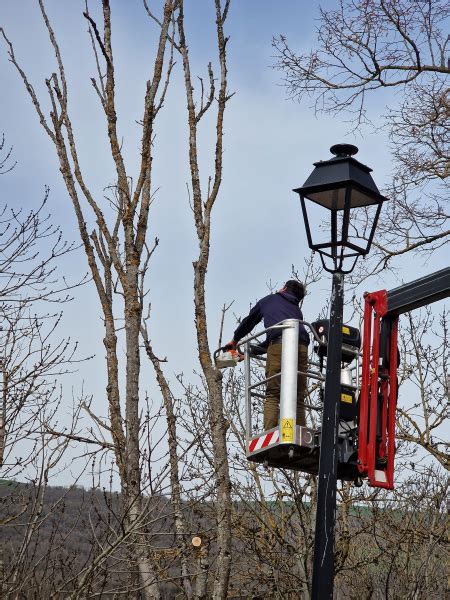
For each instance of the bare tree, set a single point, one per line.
(404, 542)
(424, 369)
(33, 359)
(203, 203)
(116, 248)
(365, 48)
(6, 164)
(173, 443)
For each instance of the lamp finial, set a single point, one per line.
(343, 150)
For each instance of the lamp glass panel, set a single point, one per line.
(360, 225)
(359, 228)
(330, 199)
(335, 199)
(319, 218)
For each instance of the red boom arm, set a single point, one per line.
(378, 397)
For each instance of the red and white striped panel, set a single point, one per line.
(264, 440)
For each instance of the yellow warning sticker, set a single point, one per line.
(346, 398)
(287, 430)
(345, 330)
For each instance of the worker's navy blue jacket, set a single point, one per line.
(273, 309)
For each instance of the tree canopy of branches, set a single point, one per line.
(31, 355)
(367, 50)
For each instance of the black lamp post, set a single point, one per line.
(342, 186)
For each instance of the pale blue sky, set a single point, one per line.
(269, 147)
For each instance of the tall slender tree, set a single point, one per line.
(118, 253)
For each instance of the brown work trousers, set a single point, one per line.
(272, 400)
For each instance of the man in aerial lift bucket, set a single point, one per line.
(273, 309)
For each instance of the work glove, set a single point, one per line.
(230, 346)
(240, 356)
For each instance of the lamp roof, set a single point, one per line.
(340, 171)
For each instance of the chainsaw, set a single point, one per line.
(227, 357)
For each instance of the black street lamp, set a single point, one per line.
(344, 188)
(340, 187)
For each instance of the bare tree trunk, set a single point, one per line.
(175, 487)
(201, 586)
(202, 216)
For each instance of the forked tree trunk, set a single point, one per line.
(108, 257)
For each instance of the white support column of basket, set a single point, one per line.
(289, 368)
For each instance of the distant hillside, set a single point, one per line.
(73, 527)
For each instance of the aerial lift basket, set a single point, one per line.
(291, 445)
